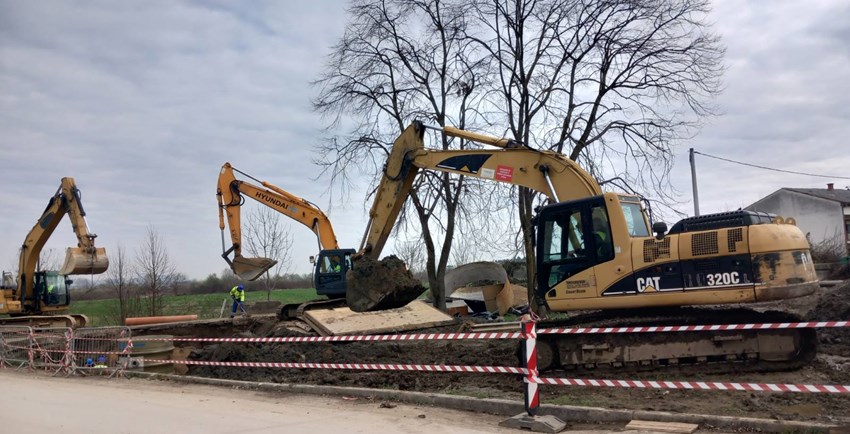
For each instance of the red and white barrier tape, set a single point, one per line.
(359, 338)
(699, 385)
(360, 366)
(693, 328)
(510, 335)
(639, 384)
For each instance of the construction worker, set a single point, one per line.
(604, 250)
(51, 294)
(335, 266)
(237, 293)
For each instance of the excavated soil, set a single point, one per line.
(378, 285)
(832, 366)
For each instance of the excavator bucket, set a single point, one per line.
(251, 268)
(379, 285)
(78, 261)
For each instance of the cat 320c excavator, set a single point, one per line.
(42, 297)
(596, 252)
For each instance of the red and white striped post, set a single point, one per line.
(529, 356)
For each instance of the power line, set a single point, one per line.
(770, 168)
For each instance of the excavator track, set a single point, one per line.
(707, 351)
(47, 321)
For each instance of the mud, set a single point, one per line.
(378, 285)
(832, 366)
(834, 305)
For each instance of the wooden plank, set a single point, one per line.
(513, 326)
(342, 321)
(648, 425)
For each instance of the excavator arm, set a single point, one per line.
(83, 259)
(231, 193)
(547, 172)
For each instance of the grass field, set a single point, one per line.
(105, 312)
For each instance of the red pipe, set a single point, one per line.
(147, 320)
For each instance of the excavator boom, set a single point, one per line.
(553, 174)
(231, 193)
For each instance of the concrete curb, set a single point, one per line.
(504, 407)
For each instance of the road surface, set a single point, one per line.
(37, 403)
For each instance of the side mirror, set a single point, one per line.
(659, 228)
(312, 259)
(68, 282)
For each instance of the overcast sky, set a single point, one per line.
(141, 102)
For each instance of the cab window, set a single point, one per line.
(635, 222)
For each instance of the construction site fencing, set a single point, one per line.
(101, 348)
(65, 350)
(528, 337)
(16, 347)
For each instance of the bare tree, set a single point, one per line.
(49, 260)
(612, 83)
(410, 251)
(154, 270)
(620, 80)
(265, 236)
(401, 60)
(118, 280)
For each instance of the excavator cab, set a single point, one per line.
(51, 288)
(572, 237)
(329, 274)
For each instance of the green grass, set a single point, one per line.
(206, 306)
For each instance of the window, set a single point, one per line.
(634, 220)
(602, 241)
(563, 245)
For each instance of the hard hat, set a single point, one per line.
(89, 362)
(241, 288)
(101, 359)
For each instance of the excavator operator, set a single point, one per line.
(602, 236)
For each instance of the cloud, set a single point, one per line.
(142, 102)
(785, 104)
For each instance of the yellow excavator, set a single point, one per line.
(599, 252)
(40, 298)
(596, 252)
(333, 262)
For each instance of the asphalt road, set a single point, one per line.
(37, 403)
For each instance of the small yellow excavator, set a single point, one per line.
(41, 298)
(332, 263)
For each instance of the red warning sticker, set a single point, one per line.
(504, 173)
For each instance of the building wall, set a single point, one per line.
(822, 219)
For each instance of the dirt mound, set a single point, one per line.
(379, 285)
(834, 305)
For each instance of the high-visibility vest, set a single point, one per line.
(236, 293)
(50, 289)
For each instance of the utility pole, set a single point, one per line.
(694, 182)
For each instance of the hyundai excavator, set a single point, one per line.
(596, 252)
(41, 298)
(333, 262)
